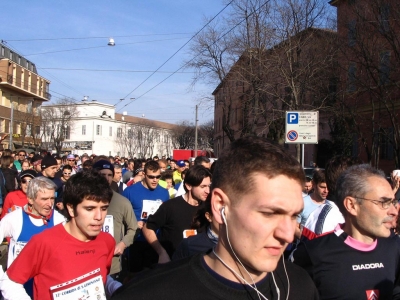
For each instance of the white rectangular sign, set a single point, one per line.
(301, 127)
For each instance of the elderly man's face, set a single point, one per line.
(43, 204)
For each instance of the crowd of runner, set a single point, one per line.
(249, 225)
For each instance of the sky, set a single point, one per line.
(67, 41)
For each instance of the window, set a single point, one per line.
(110, 131)
(2, 125)
(384, 12)
(28, 130)
(119, 132)
(2, 51)
(83, 129)
(384, 67)
(66, 132)
(351, 78)
(11, 55)
(130, 134)
(352, 33)
(37, 131)
(98, 129)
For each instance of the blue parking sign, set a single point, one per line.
(293, 118)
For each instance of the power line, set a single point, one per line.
(106, 46)
(230, 30)
(177, 51)
(93, 37)
(101, 70)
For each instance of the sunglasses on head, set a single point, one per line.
(153, 177)
(25, 180)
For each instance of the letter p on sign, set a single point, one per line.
(293, 118)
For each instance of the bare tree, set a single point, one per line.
(184, 135)
(57, 122)
(26, 113)
(206, 135)
(271, 60)
(370, 52)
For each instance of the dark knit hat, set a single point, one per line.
(48, 161)
(103, 164)
(27, 173)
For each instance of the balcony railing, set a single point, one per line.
(30, 88)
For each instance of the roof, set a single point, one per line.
(280, 44)
(147, 122)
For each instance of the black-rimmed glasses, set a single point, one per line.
(385, 204)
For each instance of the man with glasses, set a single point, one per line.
(146, 197)
(71, 161)
(19, 159)
(360, 259)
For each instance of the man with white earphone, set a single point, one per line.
(257, 220)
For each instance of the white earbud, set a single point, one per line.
(223, 215)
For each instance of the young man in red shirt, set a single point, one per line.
(70, 260)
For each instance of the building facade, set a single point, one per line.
(297, 74)
(369, 58)
(95, 128)
(22, 92)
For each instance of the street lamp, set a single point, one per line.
(111, 42)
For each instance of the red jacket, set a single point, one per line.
(13, 199)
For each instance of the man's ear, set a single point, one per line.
(188, 186)
(30, 201)
(218, 200)
(70, 210)
(351, 205)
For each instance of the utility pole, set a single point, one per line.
(11, 123)
(195, 135)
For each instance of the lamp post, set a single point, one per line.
(11, 123)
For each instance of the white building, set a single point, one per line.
(94, 128)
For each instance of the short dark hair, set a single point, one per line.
(318, 176)
(201, 159)
(195, 176)
(334, 167)
(166, 175)
(67, 167)
(250, 155)
(151, 165)
(88, 164)
(86, 185)
(19, 151)
(308, 179)
(117, 166)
